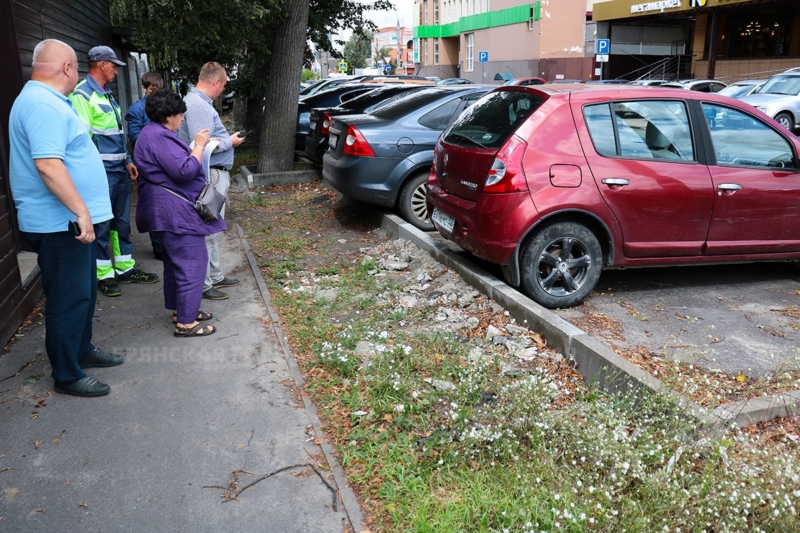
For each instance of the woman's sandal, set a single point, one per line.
(201, 316)
(198, 330)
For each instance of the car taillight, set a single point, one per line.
(356, 144)
(326, 124)
(506, 174)
(432, 174)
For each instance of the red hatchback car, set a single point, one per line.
(557, 183)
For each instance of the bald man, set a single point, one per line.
(59, 187)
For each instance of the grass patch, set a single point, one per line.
(443, 431)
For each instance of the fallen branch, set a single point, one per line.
(232, 491)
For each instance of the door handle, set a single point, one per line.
(728, 188)
(619, 182)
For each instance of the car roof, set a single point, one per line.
(597, 92)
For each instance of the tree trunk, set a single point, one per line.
(276, 150)
(239, 113)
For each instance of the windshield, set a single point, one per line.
(783, 85)
(736, 91)
(490, 121)
(405, 106)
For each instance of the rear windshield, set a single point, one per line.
(408, 105)
(490, 121)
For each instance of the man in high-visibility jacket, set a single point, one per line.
(96, 107)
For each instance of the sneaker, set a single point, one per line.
(137, 275)
(109, 287)
(214, 294)
(85, 386)
(226, 282)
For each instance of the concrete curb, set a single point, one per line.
(595, 362)
(289, 177)
(352, 507)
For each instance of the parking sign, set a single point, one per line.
(483, 57)
(602, 46)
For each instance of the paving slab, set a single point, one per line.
(184, 418)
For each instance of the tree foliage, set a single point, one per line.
(358, 49)
(179, 36)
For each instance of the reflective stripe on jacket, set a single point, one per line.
(101, 114)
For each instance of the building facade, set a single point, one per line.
(482, 40)
(728, 40)
(399, 45)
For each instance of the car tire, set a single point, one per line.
(412, 202)
(785, 120)
(547, 278)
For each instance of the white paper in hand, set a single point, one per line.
(212, 144)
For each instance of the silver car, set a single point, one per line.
(780, 98)
(742, 88)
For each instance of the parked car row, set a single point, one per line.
(504, 171)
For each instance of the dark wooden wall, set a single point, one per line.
(81, 24)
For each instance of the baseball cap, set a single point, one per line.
(104, 53)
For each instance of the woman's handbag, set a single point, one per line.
(209, 202)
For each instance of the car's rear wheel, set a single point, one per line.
(561, 264)
(785, 120)
(412, 202)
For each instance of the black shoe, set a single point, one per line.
(214, 294)
(158, 255)
(109, 287)
(226, 282)
(137, 275)
(100, 359)
(85, 386)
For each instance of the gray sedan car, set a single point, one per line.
(384, 158)
(780, 99)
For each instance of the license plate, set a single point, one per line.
(443, 219)
(333, 140)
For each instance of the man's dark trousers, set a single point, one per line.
(70, 288)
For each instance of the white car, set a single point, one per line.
(779, 98)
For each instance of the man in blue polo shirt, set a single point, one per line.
(59, 187)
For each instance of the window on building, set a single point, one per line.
(771, 32)
(425, 52)
(436, 51)
(436, 12)
(470, 48)
(425, 12)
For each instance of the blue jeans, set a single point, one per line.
(70, 286)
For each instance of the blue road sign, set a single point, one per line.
(483, 57)
(602, 46)
(387, 68)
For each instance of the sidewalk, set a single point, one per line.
(183, 415)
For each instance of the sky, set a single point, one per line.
(382, 19)
(403, 10)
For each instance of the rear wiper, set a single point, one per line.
(473, 141)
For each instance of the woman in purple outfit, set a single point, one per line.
(166, 162)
